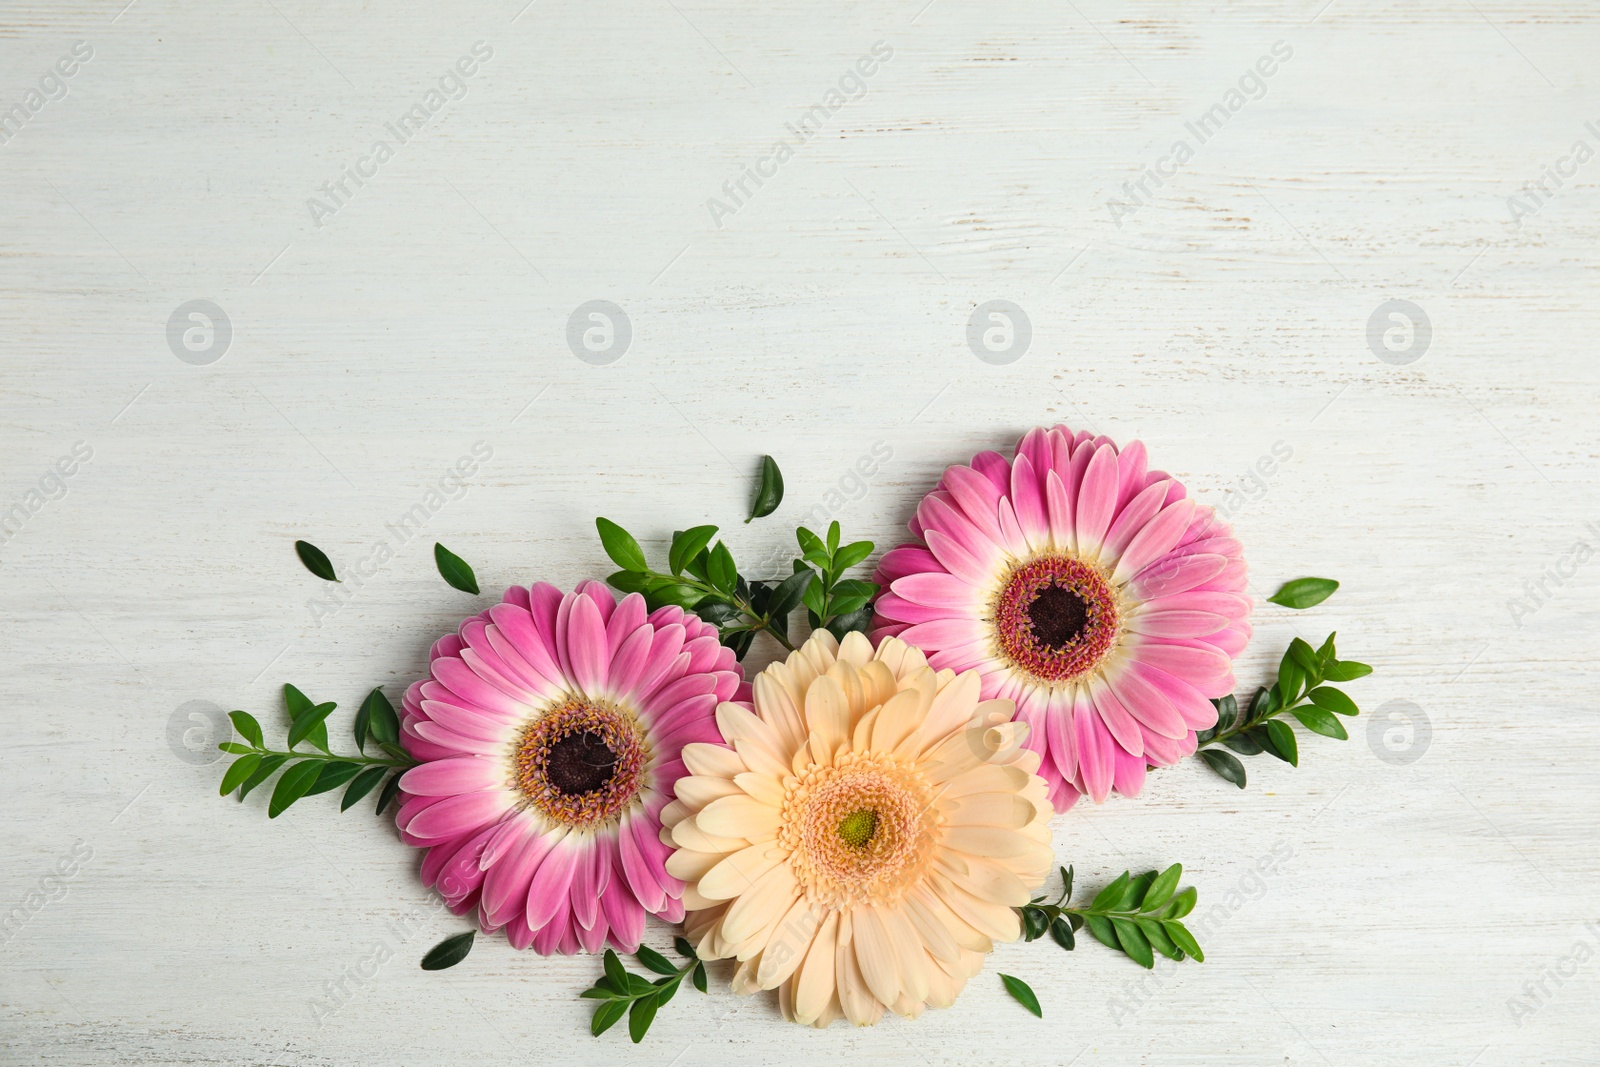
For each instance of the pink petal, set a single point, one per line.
(1097, 500)
(1096, 759)
(1146, 703)
(547, 893)
(447, 777)
(453, 816)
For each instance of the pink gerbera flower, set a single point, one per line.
(1087, 589)
(550, 732)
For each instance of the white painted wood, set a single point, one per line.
(1406, 906)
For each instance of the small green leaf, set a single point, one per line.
(682, 946)
(1304, 593)
(247, 726)
(629, 581)
(655, 960)
(1183, 939)
(381, 721)
(1134, 943)
(1022, 994)
(1108, 898)
(1227, 713)
(334, 774)
(1158, 939)
(265, 770)
(235, 748)
(1066, 884)
(688, 544)
(1162, 888)
(1100, 927)
(640, 1016)
(855, 621)
(1180, 905)
(1243, 744)
(293, 785)
(316, 560)
(1346, 670)
(391, 789)
(699, 977)
(1305, 658)
(449, 952)
(850, 555)
(1260, 704)
(721, 570)
(1224, 764)
(454, 570)
(606, 1016)
(1061, 931)
(788, 593)
(1291, 679)
(833, 537)
(620, 546)
(769, 494)
(1321, 722)
(308, 723)
(361, 785)
(1283, 740)
(298, 705)
(1334, 700)
(1034, 924)
(238, 771)
(669, 989)
(597, 993)
(614, 969)
(1135, 892)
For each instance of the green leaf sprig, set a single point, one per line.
(1300, 691)
(838, 604)
(1137, 916)
(309, 773)
(620, 992)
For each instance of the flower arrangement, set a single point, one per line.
(858, 824)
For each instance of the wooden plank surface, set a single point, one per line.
(1422, 894)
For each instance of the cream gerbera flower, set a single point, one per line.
(863, 842)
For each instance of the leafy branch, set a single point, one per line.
(833, 602)
(1137, 916)
(1299, 691)
(622, 992)
(310, 773)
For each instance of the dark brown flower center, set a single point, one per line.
(580, 763)
(1058, 616)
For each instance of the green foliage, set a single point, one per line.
(1022, 993)
(769, 492)
(833, 602)
(1300, 693)
(449, 952)
(1304, 593)
(1137, 916)
(315, 560)
(305, 774)
(454, 569)
(620, 992)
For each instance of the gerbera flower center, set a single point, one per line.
(581, 762)
(1056, 618)
(860, 831)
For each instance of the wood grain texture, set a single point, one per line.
(1355, 911)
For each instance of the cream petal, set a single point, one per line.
(712, 760)
(989, 918)
(934, 935)
(898, 719)
(737, 873)
(740, 815)
(984, 878)
(787, 949)
(688, 834)
(993, 843)
(875, 954)
(687, 865)
(855, 649)
(756, 742)
(860, 1006)
(911, 958)
(963, 933)
(828, 717)
(815, 985)
(764, 787)
(989, 809)
(695, 791)
(777, 707)
(762, 905)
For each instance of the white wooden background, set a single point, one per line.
(1398, 899)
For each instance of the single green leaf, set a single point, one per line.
(1158, 939)
(234, 748)
(454, 570)
(699, 977)
(449, 952)
(1305, 658)
(1346, 670)
(855, 621)
(1108, 898)
(811, 545)
(238, 771)
(669, 989)
(1022, 994)
(769, 494)
(629, 581)
(1183, 939)
(306, 724)
(1061, 931)
(1134, 943)
(833, 537)
(655, 960)
(316, 560)
(1034, 924)
(640, 1016)
(788, 593)
(1100, 927)
(851, 554)
(334, 774)
(1066, 884)
(298, 705)
(293, 785)
(1135, 892)
(1225, 765)
(1291, 679)
(1334, 700)
(1260, 704)
(382, 722)
(1327, 654)
(391, 789)
(1162, 888)
(1304, 593)
(1227, 713)
(1180, 905)
(638, 985)
(597, 993)
(845, 605)
(1243, 744)
(263, 771)
(247, 726)
(361, 785)
(721, 569)
(682, 946)
(1283, 740)
(614, 969)
(688, 544)
(606, 1016)
(620, 546)
(1322, 722)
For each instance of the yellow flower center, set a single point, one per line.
(860, 831)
